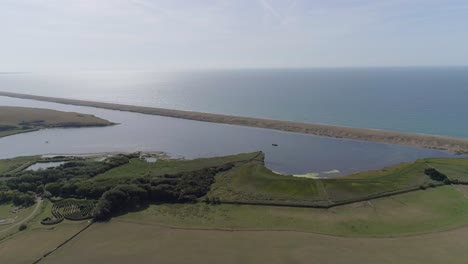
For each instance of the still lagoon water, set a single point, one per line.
(295, 154)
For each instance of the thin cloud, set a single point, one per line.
(270, 9)
(274, 12)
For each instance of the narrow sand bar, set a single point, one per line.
(456, 145)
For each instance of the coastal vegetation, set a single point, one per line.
(14, 120)
(126, 182)
(231, 193)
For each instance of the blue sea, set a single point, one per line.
(420, 100)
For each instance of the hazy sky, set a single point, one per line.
(153, 34)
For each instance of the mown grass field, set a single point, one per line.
(124, 242)
(14, 120)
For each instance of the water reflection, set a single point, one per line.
(295, 154)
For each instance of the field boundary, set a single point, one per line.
(334, 204)
(220, 229)
(63, 243)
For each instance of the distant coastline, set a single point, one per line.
(456, 145)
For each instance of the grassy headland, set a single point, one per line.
(14, 120)
(458, 145)
(214, 209)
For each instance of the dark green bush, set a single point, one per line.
(22, 227)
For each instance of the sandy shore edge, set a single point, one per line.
(455, 145)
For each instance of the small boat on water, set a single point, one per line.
(274, 145)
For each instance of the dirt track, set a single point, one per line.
(26, 219)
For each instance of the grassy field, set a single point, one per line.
(31, 244)
(381, 230)
(123, 242)
(137, 167)
(455, 169)
(37, 238)
(253, 183)
(14, 120)
(416, 212)
(11, 228)
(250, 182)
(199, 233)
(16, 164)
(5, 213)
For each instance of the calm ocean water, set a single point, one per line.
(421, 100)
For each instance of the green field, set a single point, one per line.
(391, 226)
(455, 169)
(428, 206)
(140, 168)
(200, 233)
(253, 183)
(5, 213)
(250, 182)
(15, 164)
(431, 210)
(33, 243)
(14, 120)
(143, 243)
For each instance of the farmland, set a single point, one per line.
(152, 243)
(179, 233)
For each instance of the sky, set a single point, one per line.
(184, 34)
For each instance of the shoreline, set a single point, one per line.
(451, 144)
(17, 120)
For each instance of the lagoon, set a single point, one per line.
(296, 153)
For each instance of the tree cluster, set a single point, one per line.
(435, 174)
(7, 127)
(67, 180)
(177, 188)
(74, 179)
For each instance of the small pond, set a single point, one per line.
(45, 165)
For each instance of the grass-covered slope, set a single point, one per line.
(140, 168)
(245, 181)
(14, 120)
(252, 183)
(434, 209)
(16, 164)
